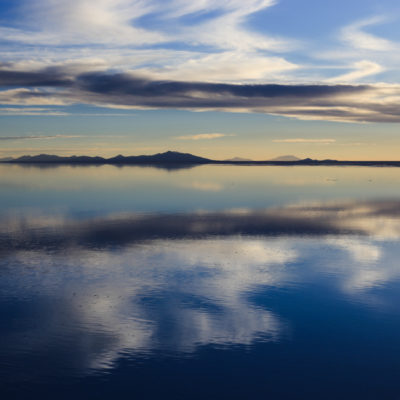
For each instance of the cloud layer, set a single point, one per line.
(59, 85)
(209, 55)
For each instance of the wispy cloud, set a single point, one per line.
(32, 111)
(357, 37)
(176, 40)
(203, 136)
(302, 140)
(74, 22)
(39, 137)
(366, 49)
(226, 66)
(205, 41)
(362, 69)
(117, 23)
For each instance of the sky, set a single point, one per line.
(216, 78)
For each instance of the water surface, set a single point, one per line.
(209, 282)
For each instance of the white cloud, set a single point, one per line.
(109, 32)
(220, 45)
(180, 8)
(227, 31)
(360, 53)
(115, 22)
(72, 22)
(362, 69)
(227, 66)
(355, 36)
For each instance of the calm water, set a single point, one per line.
(215, 282)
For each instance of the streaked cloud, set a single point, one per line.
(226, 66)
(204, 136)
(31, 111)
(302, 140)
(117, 22)
(111, 32)
(357, 37)
(75, 22)
(362, 69)
(39, 137)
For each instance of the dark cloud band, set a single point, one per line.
(331, 102)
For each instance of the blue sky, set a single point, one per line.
(222, 78)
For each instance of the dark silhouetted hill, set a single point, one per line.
(169, 157)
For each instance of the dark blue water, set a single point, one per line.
(212, 282)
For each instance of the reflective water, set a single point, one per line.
(210, 282)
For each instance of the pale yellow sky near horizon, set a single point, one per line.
(215, 149)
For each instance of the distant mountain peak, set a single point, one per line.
(173, 157)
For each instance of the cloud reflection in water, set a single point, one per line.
(135, 284)
(168, 295)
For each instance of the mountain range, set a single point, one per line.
(169, 157)
(174, 158)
